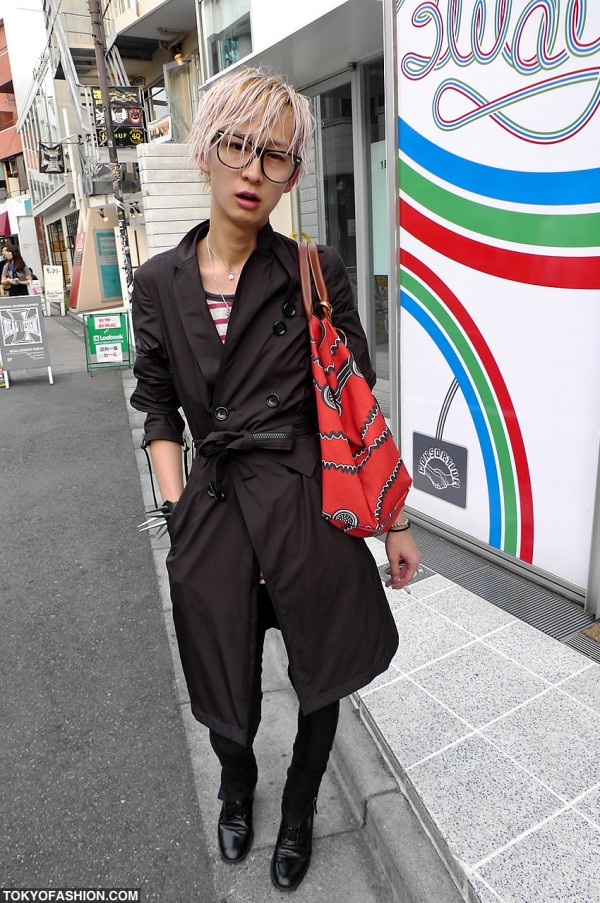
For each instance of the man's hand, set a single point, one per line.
(403, 556)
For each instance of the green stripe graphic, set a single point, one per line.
(495, 420)
(573, 230)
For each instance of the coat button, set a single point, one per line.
(221, 413)
(272, 400)
(215, 493)
(289, 309)
(279, 328)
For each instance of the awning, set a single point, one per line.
(4, 225)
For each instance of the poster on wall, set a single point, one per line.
(499, 147)
(127, 113)
(108, 264)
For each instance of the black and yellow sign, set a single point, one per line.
(127, 114)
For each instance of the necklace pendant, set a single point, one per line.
(231, 276)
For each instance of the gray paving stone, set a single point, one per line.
(424, 636)
(478, 684)
(554, 738)
(585, 687)
(479, 799)
(590, 806)
(558, 862)
(468, 611)
(412, 724)
(538, 652)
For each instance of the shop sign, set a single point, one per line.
(107, 339)
(127, 114)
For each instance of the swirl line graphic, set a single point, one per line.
(492, 108)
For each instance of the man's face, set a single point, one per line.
(245, 195)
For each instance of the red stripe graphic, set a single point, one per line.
(531, 269)
(500, 388)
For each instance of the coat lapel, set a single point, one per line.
(190, 301)
(269, 272)
(266, 274)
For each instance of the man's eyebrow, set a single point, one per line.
(267, 142)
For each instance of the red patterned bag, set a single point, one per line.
(365, 481)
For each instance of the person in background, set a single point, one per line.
(16, 275)
(221, 332)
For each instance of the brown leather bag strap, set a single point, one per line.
(308, 262)
(317, 272)
(304, 269)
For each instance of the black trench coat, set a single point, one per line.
(324, 585)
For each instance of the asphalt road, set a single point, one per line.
(96, 784)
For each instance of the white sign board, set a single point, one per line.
(499, 143)
(54, 287)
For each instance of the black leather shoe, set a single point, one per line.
(234, 830)
(293, 850)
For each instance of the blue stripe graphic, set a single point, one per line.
(557, 188)
(412, 307)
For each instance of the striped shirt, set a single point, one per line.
(219, 310)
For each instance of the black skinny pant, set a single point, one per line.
(314, 739)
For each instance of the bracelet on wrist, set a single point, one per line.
(400, 527)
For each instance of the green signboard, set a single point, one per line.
(107, 341)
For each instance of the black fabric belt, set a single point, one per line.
(222, 442)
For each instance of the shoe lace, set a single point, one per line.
(235, 809)
(290, 833)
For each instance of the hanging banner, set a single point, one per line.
(51, 158)
(499, 146)
(22, 334)
(127, 113)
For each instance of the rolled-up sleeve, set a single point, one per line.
(155, 392)
(345, 315)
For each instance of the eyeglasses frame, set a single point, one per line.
(258, 151)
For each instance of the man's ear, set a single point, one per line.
(291, 183)
(202, 164)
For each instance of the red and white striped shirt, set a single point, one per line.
(220, 310)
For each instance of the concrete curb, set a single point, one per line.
(400, 843)
(402, 847)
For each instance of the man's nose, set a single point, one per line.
(253, 169)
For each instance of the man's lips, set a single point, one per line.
(247, 196)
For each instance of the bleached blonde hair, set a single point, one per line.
(250, 96)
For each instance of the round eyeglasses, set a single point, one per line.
(237, 152)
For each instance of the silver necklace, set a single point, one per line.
(231, 274)
(228, 306)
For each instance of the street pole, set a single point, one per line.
(100, 49)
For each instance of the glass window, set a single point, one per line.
(333, 111)
(180, 89)
(156, 101)
(226, 31)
